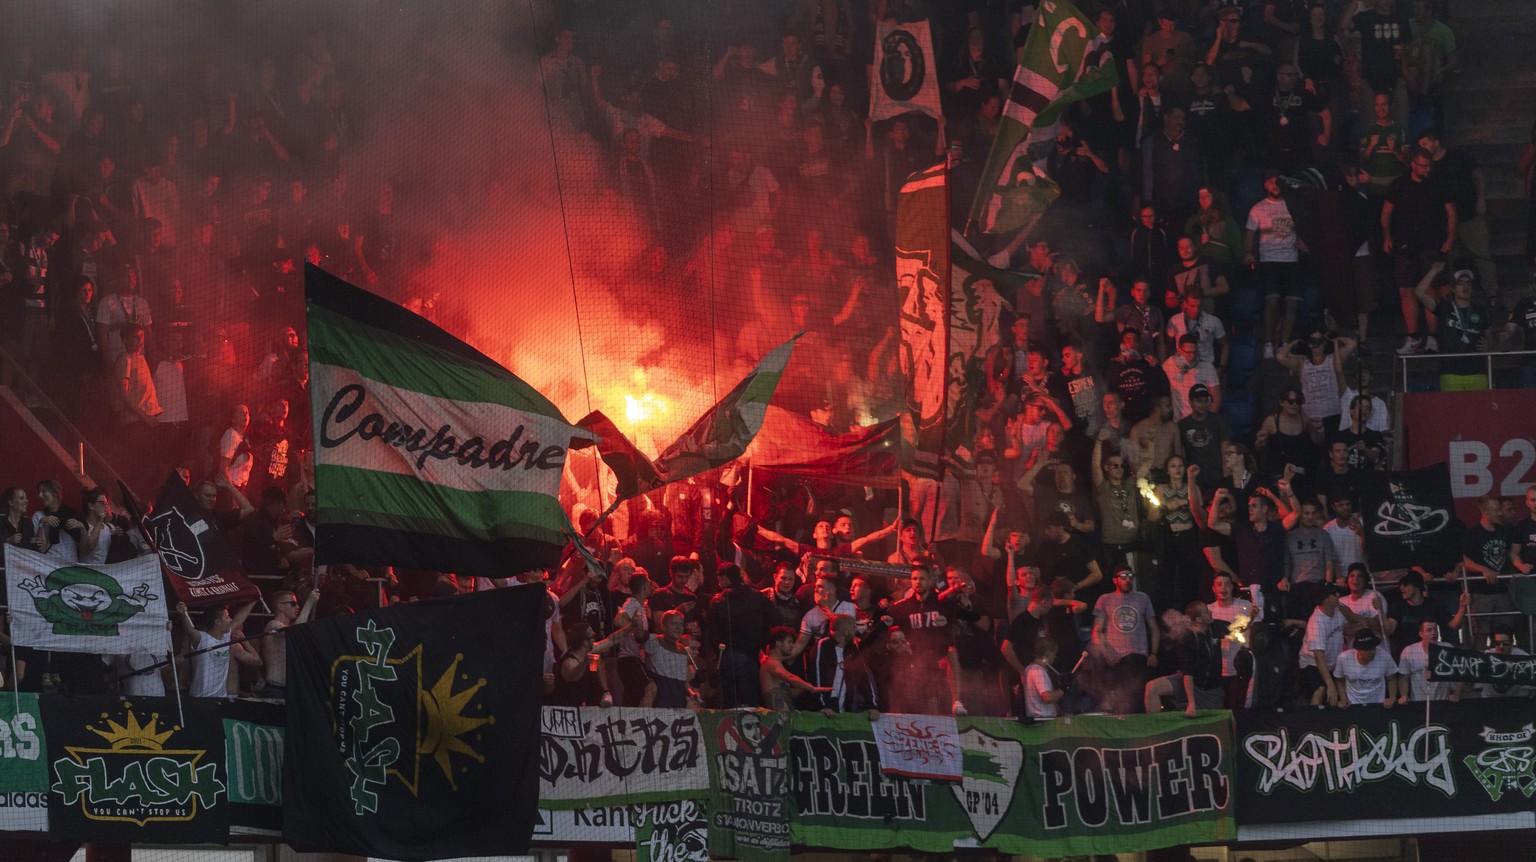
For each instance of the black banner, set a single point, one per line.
(1410, 519)
(1367, 762)
(127, 770)
(413, 730)
(199, 564)
(1451, 664)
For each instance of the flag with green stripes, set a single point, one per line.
(1065, 60)
(428, 454)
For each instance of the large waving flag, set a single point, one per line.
(428, 454)
(1065, 60)
(720, 436)
(109, 609)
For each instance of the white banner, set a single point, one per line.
(468, 445)
(919, 746)
(905, 77)
(604, 756)
(111, 609)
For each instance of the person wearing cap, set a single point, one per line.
(1186, 373)
(1323, 642)
(1203, 432)
(1410, 608)
(1366, 674)
(1461, 325)
(1125, 629)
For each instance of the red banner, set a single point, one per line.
(1484, 436)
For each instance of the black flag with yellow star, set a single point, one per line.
(413, 730)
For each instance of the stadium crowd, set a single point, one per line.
(1156, 496)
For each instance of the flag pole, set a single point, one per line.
(15, 680)
(749, 489)
(170, 658)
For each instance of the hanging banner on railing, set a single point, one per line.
(1370, 763)
(1448, 664)
(23, 765)
(591, 757)
(1094, 785)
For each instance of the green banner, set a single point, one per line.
(23, 765)
(1094, 784)
(748, 805)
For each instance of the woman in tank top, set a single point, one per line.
(1289, 436)
(1319, 361)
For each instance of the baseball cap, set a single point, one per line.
(1463, 274)
(1367, 639)
(1199, 390)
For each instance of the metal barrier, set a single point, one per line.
(1503, 360)
(52, 418)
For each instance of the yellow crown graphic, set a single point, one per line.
(134, 736)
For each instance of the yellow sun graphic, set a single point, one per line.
(444, 723)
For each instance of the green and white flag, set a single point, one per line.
(428, 454)
(104, 608)
(1065, 60)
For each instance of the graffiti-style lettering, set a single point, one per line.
(1347, 758)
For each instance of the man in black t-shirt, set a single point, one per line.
(1463, 178)
(1060, 553)
(1384, 35)
(1490, 549)
(1202, 433)
(1418, 222)
(1410, 607)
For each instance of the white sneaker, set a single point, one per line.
(1431, 346)
(959, 709)
(1411, 347)
(1269, 350)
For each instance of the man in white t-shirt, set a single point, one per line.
(1270, 242)
(1413, 669)
(212, 650)
(1368, 674)
(235, 460)
(1040, 692)
(1323, 643)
